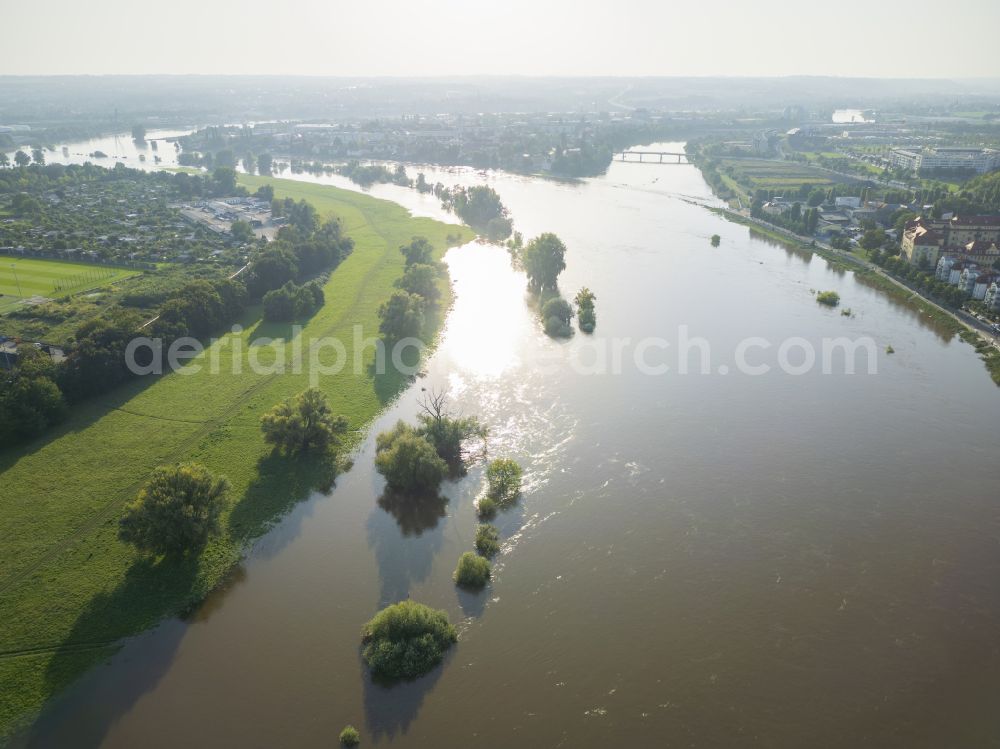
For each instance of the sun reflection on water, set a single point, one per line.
(484, 331)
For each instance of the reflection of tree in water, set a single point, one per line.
(414, 514)
(390, 710)
(405, 534)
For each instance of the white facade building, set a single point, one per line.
(978, 160)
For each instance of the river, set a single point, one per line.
(717, 559)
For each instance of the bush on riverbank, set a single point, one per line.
(473, 571)
(303, 423)
(293, 302)
(402, 316)
(406, 640)
(176, 512)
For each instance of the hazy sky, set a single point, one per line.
(524, 37)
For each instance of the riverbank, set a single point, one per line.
(951, 322)
(69, 590)
(869, 273)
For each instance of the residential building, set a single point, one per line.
(969, 238)
(944, 265)
(982, 285)
(992, 297)
(922, 161)
(967, 281)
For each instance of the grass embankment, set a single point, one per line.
(986, 351)
(69, 590)
(21, 278)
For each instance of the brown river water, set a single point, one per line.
(699, 560)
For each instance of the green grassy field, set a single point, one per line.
(771, 174)
(69, 590)
(21, 278)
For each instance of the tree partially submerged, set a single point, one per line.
(446, 431)
(303, 423)
(829, 298)
(406, 640)
(473, 571)
(409, 461)
(543, 259)
(350, 736)
(503, 478)
(487, 540)
(176, 512)
(556, 315)
(585, 315)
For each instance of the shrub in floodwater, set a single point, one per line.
(406, 640)
(350, 736)
(472, 571)
(447, 431)
(890, 350)
(409, 462)
(556, 314)
(486, 508)
(503, 476)
(487, 539)
(715, 240)
(585, 315)
(829, 298)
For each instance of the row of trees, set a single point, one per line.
(226, 159)
(293, 302)
(480, 207)
(34, 397)
(21, 159)
(30, 399)
(302, 249)
(417, 291)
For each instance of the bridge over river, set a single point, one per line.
(653, 157)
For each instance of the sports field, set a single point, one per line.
(69, 589)
(21, 278)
